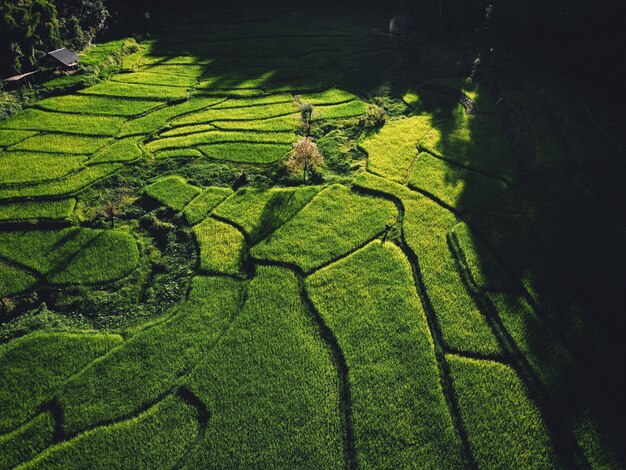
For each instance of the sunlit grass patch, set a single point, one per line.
(124, 150)
(370, 303)
(97, 105)
(172, 192)
(202, 205)
(504, 427)
(45, 121)
(131, 90)
(334, 222)
(61, 143)
(392, 149)
(27, 167)
(156, 78)
(221, 247)
(455, 186)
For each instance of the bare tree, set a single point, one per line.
(304, 156)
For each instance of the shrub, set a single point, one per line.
(375, 116)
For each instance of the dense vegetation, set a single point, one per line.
(441, 290)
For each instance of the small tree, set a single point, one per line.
(304, 156)
(113, 203)
(306, 113)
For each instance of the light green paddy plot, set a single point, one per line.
(172, 191)
(159, 437)
(392, 149)
(259, 212)
(369, 301)
(10, 137)
(201, 206)
(221, 247)
(29, 167)
(47, 121)
(72, 255)
(70, 185)
(14, 280)
(155, 120)
(244, 152)
(123, 150)
(98, 105)
(156, 78)
(131, 90)
(455, 186)
(219, 137)
(335, 222)
(62, 143)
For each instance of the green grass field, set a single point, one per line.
(442, 292)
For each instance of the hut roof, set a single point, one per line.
(17, 78)
(65, 56)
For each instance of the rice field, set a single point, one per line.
(172, 297)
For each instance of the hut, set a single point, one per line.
(63, 59)
(18, 81)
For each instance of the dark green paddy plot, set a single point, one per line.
(72, 255)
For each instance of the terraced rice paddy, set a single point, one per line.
(420, 310)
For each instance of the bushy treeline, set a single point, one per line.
(31, 28)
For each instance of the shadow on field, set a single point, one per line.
(562, 248)
(560, 244)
